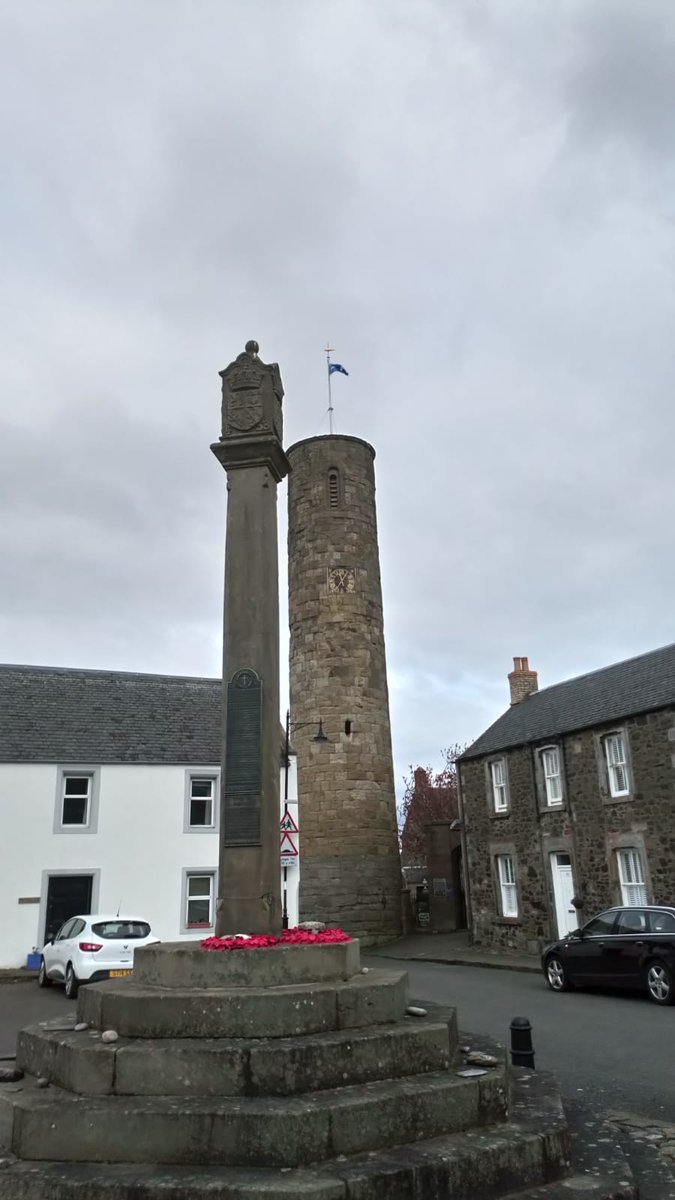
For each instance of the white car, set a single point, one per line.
(88, 948)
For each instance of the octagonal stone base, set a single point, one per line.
(253, 1074)
(189, 965)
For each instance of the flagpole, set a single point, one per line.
(330, 398)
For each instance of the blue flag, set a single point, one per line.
(336, 367)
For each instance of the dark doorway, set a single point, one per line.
(67, 896)
(422, 909)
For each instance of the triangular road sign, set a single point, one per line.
(288, 846)
(287, 823)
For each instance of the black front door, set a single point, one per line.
(67, 896)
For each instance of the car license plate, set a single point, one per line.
(114, 974)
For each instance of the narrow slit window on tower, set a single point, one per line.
(348, 728)
(333, 488)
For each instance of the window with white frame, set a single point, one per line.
(199, 888)
(500, 797)
(550, 765)
(506, 871)
(76, 800)
(201, 811)
(631, 877)
(617, 764)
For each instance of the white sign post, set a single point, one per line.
(289, 853)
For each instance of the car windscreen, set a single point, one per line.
(121, 929)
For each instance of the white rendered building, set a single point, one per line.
(109, 801)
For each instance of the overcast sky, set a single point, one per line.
(474, 200)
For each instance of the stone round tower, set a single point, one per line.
(350, 871)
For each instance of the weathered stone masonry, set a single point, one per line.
(350, 869)
(590, 826)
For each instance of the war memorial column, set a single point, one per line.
(250, 449)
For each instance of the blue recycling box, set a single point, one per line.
(33, 962)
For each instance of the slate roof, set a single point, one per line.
(625, 689)
(54, 714)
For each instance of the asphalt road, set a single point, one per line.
(612, 1051)
(26, 1004)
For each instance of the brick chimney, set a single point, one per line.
(522, 681)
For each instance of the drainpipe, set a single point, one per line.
(465, 857)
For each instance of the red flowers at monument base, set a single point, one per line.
(287, 937)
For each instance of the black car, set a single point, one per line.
(620, 948)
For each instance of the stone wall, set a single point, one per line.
(350, 869)
(590, 826)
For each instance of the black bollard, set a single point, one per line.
(522, 1052)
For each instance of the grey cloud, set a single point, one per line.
(621, 84)
(112, 526)
(473, 201)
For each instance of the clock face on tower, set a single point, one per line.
(341, 579)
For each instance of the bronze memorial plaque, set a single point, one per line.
(243, 761)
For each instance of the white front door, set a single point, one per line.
(563, 891)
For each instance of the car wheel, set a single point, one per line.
(71, 984)
(660, 983)
(43, 977)
(556, 974)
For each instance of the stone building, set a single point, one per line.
(431, 851)
(568, 801)
(350, 866)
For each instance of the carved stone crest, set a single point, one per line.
(251, 414)
(252, 395)
(245, 374)
(245, 409)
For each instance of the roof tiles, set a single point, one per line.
(625, 689)
(53, 714)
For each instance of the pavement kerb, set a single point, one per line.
(17, 975)
(462, 961)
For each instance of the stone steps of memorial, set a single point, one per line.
(354, 1105)
(80, 1062)
(246, 1131)
(134, 1010)
(478, 1164)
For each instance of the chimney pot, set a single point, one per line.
(522, 680)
